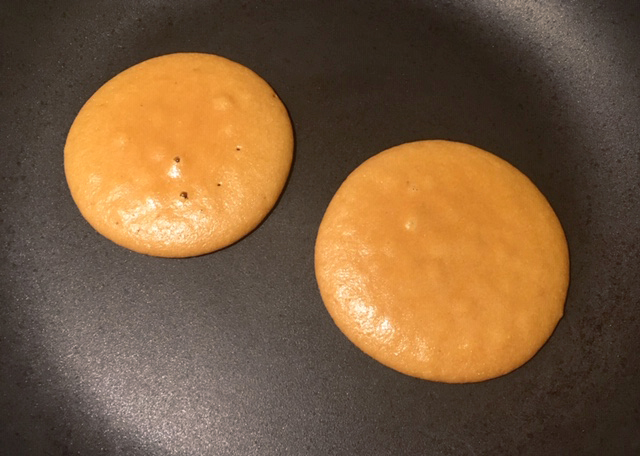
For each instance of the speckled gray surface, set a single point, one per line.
(104, 351)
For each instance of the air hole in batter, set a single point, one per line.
(184, 195)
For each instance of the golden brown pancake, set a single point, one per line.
(179, 155)
(442, 261)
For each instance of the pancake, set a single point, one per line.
(442, 261)
(179, 155)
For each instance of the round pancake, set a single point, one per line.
(179, 155)
(442, 261)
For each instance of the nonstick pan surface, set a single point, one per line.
(105, 351)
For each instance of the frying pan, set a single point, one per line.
(105, 351)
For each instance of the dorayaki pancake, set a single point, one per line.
(179, 155)
(442, 261)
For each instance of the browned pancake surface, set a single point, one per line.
(442, 261)
(179, 155)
